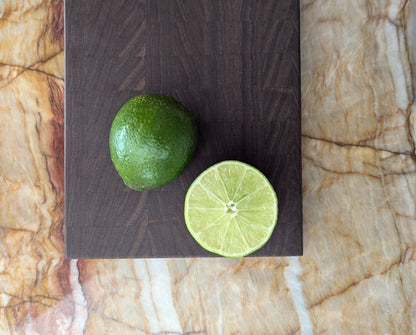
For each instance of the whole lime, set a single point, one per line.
(152, 139)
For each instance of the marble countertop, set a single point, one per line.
(358, 272)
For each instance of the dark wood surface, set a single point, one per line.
(234, 64)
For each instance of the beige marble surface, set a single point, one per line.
(358, 272)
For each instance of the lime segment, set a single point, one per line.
(231, 209)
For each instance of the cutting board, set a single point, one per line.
(234, 64)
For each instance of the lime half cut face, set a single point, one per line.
(231, 209)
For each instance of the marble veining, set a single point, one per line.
(358, 272)
(294, 282)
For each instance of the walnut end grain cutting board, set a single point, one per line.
(234, 64)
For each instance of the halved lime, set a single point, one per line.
(231, 209)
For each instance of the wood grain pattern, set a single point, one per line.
(234, 64)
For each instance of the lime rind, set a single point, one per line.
(152, 140)
(224, 229)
